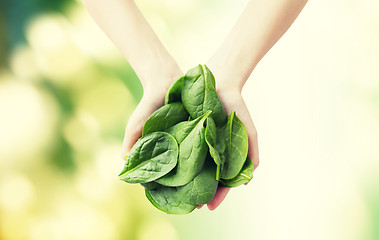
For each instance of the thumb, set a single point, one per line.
(136, 121)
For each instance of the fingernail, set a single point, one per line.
(211, 207)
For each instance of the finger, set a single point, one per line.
(218, 198)
(135, 124)
(200, 206)
(253, 148)
(252, 135)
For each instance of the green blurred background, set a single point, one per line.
(66, 94)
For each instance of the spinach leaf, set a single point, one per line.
(199, 94)
(165, 117)
(232, 146)
(150, 185)
(172, 161)
(202, 188)
(244, 176)
(151, 157)
(175, 92)
(192, 151)
(211, 140)
(167, 199)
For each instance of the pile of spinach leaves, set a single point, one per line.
(188, 147)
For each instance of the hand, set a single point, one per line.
(152, 99)
(233, 101)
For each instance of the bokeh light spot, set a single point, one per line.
(16, 193)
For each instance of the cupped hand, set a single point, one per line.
(151, 101)
(232, 101)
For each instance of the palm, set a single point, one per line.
(233, 101)
(148, 104)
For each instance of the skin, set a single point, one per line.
(259, 27)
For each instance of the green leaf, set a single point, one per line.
(150, 185)
(232, 146)
(202, 188)
(244, 176)
(165, 117)
(175, 92)
(199, 95)
(167, 199)
(192, 151)
(211, 140)
(151, 157)
(171, 159)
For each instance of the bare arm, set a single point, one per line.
(124, 24)
(257, 30)
(259, 27)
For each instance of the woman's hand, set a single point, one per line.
(153, 98)
(256, 31)
(258, 28)
(232, 100)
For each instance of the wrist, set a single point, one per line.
(232, 66)
(226, 80)
(228, 85)
(159, 78)
(229, 75)
(228, 92)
